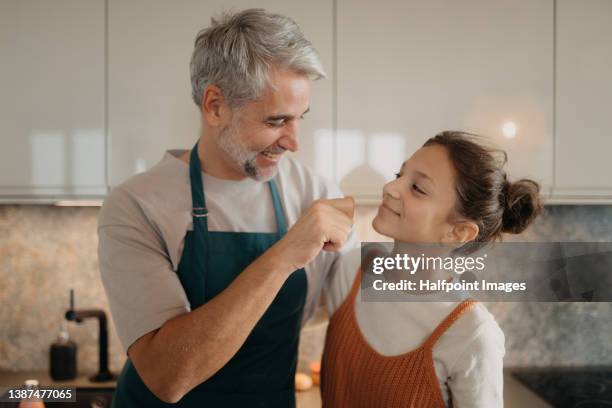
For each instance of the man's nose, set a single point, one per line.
(289, 140)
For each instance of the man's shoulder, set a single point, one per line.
(163, 187)
(169, 172)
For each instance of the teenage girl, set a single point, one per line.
(427, 354)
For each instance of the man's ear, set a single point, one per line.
(215, 110)
(461, 232)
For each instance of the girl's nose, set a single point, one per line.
(391, 190)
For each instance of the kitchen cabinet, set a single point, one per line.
(94, 91)
(408, 70)
(150, 104)
(583, 139)
(52, 105)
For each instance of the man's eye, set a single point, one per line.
(417, 189)
(276, 123)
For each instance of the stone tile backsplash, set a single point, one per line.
(46, 250)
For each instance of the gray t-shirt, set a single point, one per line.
(143, 222)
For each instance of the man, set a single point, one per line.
(207, 285)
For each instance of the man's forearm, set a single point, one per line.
(190, 348)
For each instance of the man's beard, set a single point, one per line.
(243, 158)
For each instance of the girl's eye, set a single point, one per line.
(397, 175)
(417, 189)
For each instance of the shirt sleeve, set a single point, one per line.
(142, 288)
(339, 282)
(339, 279)
(326, 265)
(476, 380)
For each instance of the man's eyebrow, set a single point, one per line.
(281, 116)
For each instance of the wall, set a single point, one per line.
(46, 250)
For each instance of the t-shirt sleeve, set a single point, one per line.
(476, 380)
(142, 288)
(339, 279)
(326, 265)
(339, 282)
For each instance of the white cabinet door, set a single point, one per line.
(583, 169)
(409, 69)
(52, 121)
(150, 105)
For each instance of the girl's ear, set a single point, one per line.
(461, 232)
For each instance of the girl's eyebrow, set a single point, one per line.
(419, 173)
(425, 176)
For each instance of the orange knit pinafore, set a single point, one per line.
(355, 375)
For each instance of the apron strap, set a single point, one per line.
(281, 223)
(197, 188)
(197, 245)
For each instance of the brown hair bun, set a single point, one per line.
(521, 203)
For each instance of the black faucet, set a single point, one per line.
(78, 316)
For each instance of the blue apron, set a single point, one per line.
(261, 374)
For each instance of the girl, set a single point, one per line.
(427, 354)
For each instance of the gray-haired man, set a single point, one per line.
(208, 285)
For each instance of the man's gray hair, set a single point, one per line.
(236, 52)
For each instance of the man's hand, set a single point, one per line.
(347, 206)
(325, 225)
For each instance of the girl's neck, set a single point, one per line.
(422, 273)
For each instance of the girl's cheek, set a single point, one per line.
(413, 208)
(410, 221)
(418, 218)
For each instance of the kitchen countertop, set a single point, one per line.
(17, 378)
(516, 395)
(305, 399)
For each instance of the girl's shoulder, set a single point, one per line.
(475, 334)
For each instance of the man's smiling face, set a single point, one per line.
(262, 130)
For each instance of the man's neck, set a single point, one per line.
(214, 161)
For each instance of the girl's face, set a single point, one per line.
(418, 206)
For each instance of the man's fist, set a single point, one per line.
(325, 225)
(345, 205)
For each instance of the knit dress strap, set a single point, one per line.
(448, 321)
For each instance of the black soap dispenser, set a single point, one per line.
(62, 357)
